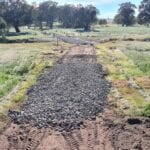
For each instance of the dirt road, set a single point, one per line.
(88, 123)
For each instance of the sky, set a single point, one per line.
(107, 8)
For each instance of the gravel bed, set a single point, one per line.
(65, 96)
(74, 40)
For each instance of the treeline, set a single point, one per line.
(126, 14)
(18, 13)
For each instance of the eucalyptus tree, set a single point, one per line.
(47, 12)
(17, 13)
(126, 14)
(144, 12)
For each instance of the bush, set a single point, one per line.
(102, 22)
(21, 70)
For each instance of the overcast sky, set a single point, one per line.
(107, 8)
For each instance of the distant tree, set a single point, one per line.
(89, 16)
(77, 16)
(3, 27)
(35, 13)
(144, 12)
(126, 14)
(102, 21)
(47, 13)
(68, 16)
(17, 13)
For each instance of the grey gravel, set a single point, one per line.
(65, 96)
(74, 40)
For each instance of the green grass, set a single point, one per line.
(139, 52)
(16, 61)
(106, 32)
(97, 33)
(26, 34)
(123, 62)
(146, 111)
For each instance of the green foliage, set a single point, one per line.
(78, 16)
(144, 15)
(146, 111)
(47, 13)
(125, 14)
(102, 22)
(17, 13)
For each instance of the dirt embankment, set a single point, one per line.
(68, 110)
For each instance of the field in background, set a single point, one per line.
(97, 33)
(107, 32)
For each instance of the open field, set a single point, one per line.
(76, 96)
(107, 32)
(97, 33)
(17, 60)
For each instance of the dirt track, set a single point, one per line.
(106, 131)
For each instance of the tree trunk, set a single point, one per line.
(17, 28)
(51, 25)
(87, 28)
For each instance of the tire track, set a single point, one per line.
(72, 143)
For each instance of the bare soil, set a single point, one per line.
(107, 131)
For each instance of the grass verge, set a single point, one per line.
(122, 67)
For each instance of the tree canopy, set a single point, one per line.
(126, 14)
(78, 16)
(48, 12)
(17, 12)
(144, 12)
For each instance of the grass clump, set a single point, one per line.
(30, 80)
(146, 111)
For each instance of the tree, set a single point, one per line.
(47, 13)
(126, 14)
(17, 13)
(3, 27)
(102, 22)
(78, 16)
(68, 16)
(35, 13)
(144, 12)
(89, 16)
